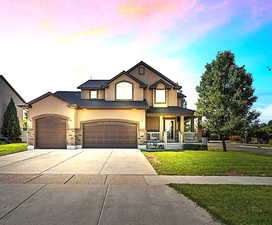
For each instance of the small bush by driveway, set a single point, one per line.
(12, 148)
(232, 204)
(210, 163)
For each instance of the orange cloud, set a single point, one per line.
(91, 32)
(135, 10)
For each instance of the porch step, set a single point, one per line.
(173, 145)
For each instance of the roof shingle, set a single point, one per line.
(93, 84)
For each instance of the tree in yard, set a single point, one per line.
(226, 96)
(11, 127)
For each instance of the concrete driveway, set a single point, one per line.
(93, 161)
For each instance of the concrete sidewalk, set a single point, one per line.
(164, 179)
(27, 204)
(98, 179)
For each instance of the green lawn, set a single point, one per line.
(211, 163)
(12, 148)
(232, 204)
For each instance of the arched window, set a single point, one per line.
(124, 91)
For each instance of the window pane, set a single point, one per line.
(124, 91)
(93, 94)
(160, 96)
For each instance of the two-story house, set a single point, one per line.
(125, 111)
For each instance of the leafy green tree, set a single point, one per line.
(226, 96)
(11, 127)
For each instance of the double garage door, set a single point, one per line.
(51, 133)
(109, 134)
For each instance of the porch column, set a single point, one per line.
(192, 124)
(161, 128)
(181, 129)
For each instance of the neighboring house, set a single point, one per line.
(125, 111)
(6, 93)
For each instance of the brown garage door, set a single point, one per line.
(109, 134)
(51, 132)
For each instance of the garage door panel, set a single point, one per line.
(109, 134)
(51, 132)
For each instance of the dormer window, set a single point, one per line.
(93, 94)
(160, 96)
(141, 70)
(124, 91)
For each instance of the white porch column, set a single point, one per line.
(181, 129)
(161, 128)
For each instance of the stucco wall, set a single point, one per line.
(153, 123)
(138, 93)
(5, 94)
(53, 105)
(149, 78)
(126, 114)
(172, 97)
(85, 94)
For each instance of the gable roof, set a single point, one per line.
(141, 83)
(45, 96)
(19, 96)
(154, 85)
(156, 72)
(93, 84)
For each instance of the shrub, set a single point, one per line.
(11, 127)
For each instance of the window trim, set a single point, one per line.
(156, 96)
(90, 94)
(132, 90)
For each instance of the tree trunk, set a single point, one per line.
(224, 144)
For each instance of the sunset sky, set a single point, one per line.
(50, 45)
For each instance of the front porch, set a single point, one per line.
(173, 130)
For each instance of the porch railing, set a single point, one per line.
(191, 137)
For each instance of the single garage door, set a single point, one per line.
(51, 132)
(109, 134)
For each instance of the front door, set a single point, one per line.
(170, 128)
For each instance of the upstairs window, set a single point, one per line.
(160, 96)
(93, 94)
(141, 70)
(124, 91)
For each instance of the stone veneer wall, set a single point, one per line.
(71, 138)
(141, 136)
(31, 136)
